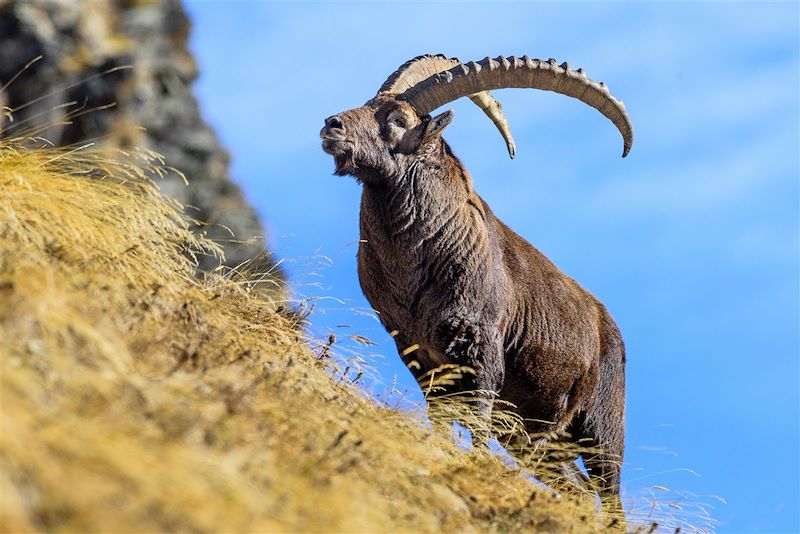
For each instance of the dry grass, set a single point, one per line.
(137, 398)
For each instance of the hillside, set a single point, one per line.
(137, 398)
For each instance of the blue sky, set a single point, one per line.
(691, 241)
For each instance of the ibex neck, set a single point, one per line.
(417, 203)
(424, 235)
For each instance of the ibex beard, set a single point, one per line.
(447, 276)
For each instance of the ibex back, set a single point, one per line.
(447, 275)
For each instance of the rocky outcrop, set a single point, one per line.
(154, 105)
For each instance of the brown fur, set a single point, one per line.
(447, 274)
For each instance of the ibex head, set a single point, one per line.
(385, 136)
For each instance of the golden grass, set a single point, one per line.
(137, 398)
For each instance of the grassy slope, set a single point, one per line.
(135, 398)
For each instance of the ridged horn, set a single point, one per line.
(505, 72)
(423, 67)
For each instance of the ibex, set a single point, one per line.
(446, 275)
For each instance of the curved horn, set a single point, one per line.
(416, 70)
(423, 67)
(500, 73)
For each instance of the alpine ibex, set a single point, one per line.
(446, 274)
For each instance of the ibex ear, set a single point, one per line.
(436, 125)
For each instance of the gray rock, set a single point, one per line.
(155, 107)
